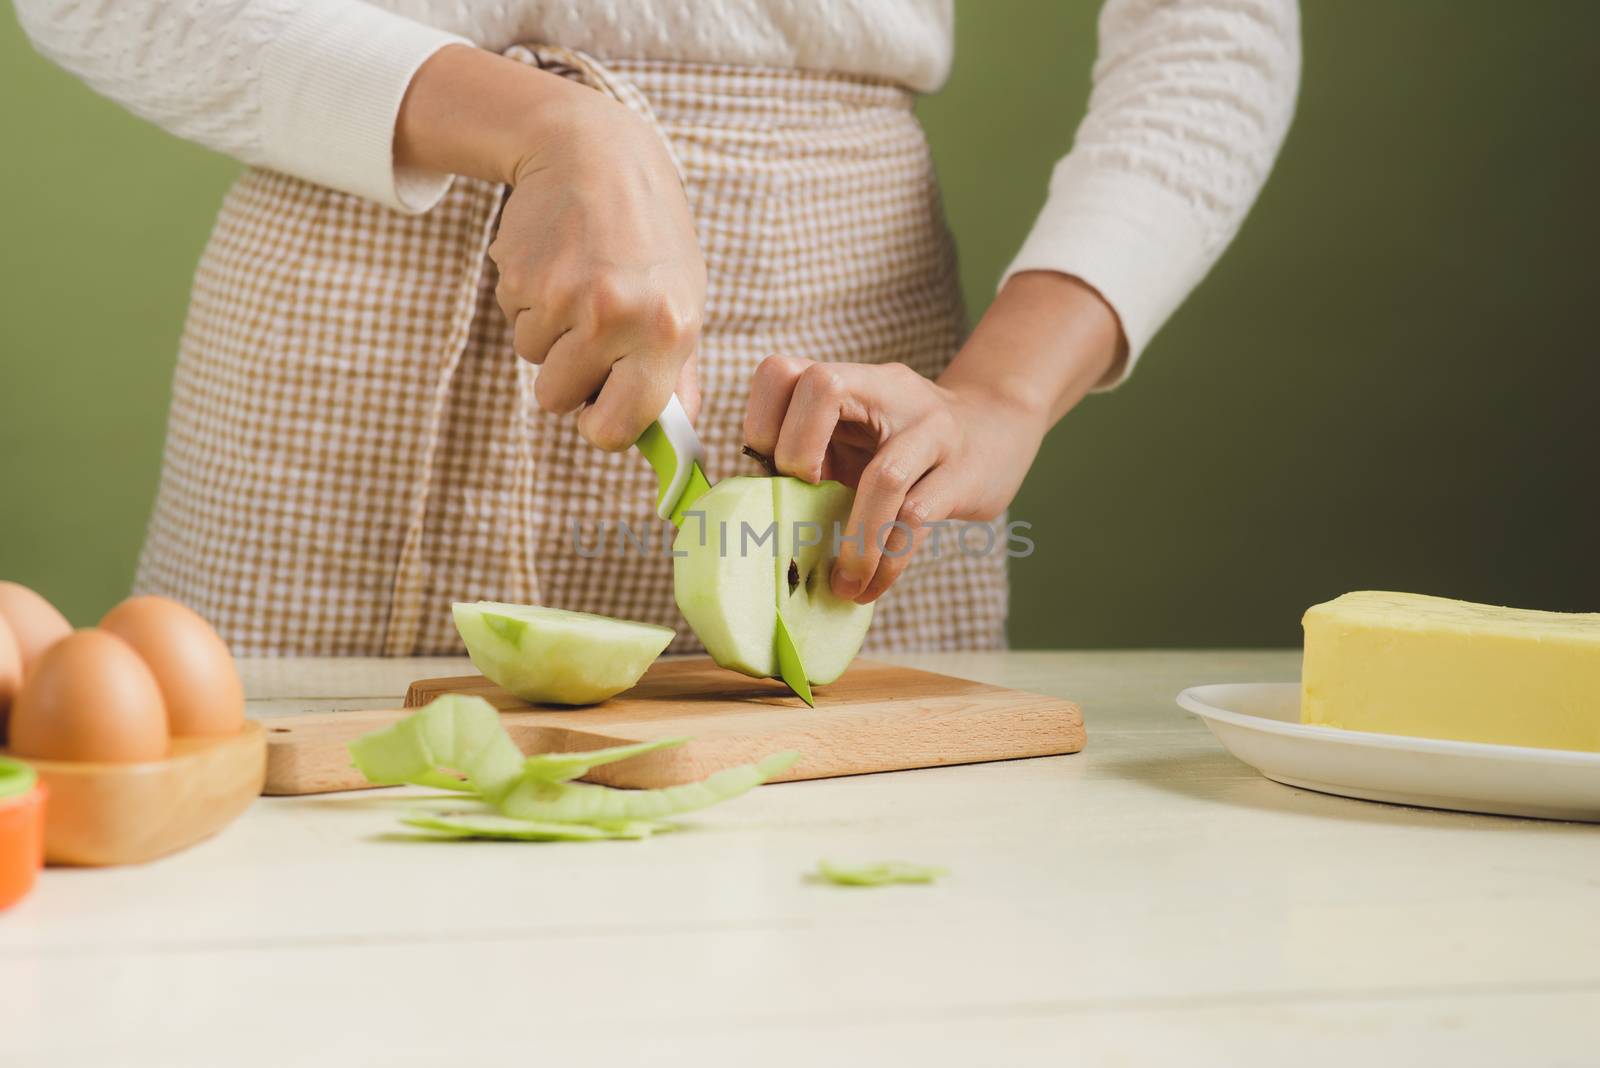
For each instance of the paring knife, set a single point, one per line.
(673, 448)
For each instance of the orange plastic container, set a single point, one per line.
(21, 843)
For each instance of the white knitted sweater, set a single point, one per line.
(1191, 98)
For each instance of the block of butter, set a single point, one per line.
(1430, 667)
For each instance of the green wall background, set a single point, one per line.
(1391, 380)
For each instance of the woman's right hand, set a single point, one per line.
(601, 274)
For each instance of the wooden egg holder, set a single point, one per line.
(103, 814)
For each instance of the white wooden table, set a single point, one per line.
(1150, 900)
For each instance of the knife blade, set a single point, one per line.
(790, 669)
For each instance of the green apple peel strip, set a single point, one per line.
(562, 767)
(507, 828)
(530, 795)
(882, 873)
(453, 732)
(586, 803)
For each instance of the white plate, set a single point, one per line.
(1260, 724)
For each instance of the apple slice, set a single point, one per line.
(765, 546)
(723, 579)
(551, 656)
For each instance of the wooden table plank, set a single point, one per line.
(1148, 900)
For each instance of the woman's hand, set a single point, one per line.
(916, 451)
(600, 270)
(920, 451)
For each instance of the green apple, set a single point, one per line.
(752, 548)
(552, 656)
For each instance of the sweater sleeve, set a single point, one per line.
(1190, 103)
(308, 87)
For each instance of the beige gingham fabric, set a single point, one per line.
(353, 445)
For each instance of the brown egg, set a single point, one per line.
(90, 698)
(10, 673)
(198, 678)
(35, 623)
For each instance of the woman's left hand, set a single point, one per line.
(917, 452)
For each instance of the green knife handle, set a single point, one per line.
(673, 449)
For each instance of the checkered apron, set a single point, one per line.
(353, 444)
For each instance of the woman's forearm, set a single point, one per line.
(475, 113)
(307, 89)
(1045, 342)
(1142, 218)
(600, 274)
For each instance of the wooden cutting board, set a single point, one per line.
(878, 717)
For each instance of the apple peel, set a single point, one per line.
(587, 803)
(562, 767)
(453, 732)
(881, 873)
(506, 828)
(506, 795)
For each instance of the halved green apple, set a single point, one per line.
(766, 546)
(552, 656)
